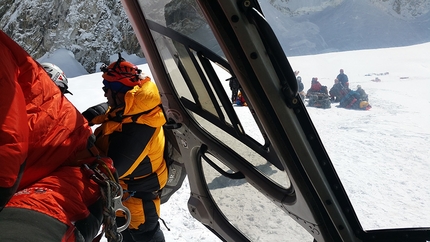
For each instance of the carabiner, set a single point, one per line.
(118, 206)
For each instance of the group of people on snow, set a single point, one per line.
(58, 175)
(319, 96)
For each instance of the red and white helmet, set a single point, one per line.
(58, 76)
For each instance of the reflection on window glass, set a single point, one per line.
(183, 17)
(173, 66)
(248, 210)
(260, 163)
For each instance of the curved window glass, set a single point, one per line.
(373, 126)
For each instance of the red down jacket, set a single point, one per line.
(66, 195)
(39, 125)
(40, 132)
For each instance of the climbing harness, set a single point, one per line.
(111, 193)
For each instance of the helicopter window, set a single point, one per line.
(204, 91)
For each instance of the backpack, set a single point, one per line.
(324, 90)
(175, 166)
(319, 100)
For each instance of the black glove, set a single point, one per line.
(95, 111)
(7, 192)
(90, 226)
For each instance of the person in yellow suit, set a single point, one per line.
(131, 133)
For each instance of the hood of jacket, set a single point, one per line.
(142, 105)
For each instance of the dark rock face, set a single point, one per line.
(92, 30)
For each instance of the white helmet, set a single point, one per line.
(58, 76)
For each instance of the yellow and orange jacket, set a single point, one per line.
(133, 136)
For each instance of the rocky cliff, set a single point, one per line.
(92, 30)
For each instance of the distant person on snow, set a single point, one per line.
(240, 100)
(343, 78)
(317, 87)
(300, 85)
(234, 87)
(363, 94)
(41, 133)
(131, 133)
(337, 91)
(318, 95)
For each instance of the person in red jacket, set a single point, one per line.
(315, 85)
(240, 100)
(13, 117)
(55, 130)
(41, 132)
